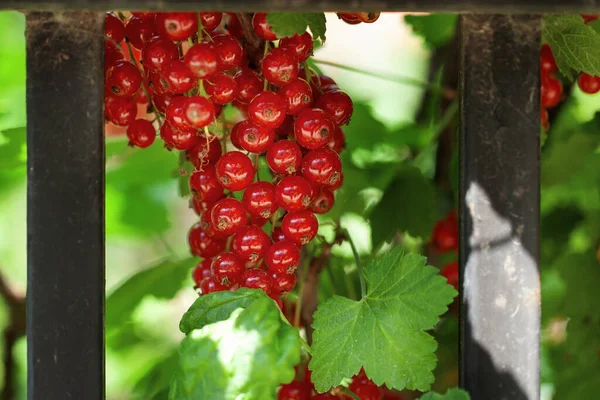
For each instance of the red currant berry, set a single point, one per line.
(162, 100)
(157, 53)
(338, 184)
(368, 392)
(202, 60)
(338, 141)
(250, 243)
(145, 15)
(176, 26)
(141, 133)
(588, 83)
(544, 118)
(297, 96)
(112, 54)
(450, 272)
(177, 139)
(202, 244)
(198, 111)
(177, 78)
(205, 185)
(253, 138)
(114, 28)
(284, 157)
(287, 128)
(227, 269)
(552, 89)
(323, 202)
(322, 166)
(279, 67)
(262, 27)
(124, 79)
(368, 17)
(294, 391)
(282, 257)
(313, 128)
(293, 193)
(283, 283)
(249, 84)
(587, 18)
(258, 221)
(202, 271)
(229, 51)
(337, 104)
(228, 216)
(259, 199)
(301, 46)
(211, 20)
(300, 227)
(207, 224)
(176, 114)
(210, 285)
(235, 171)
(120, 111)
(547, 61)
(257, 279)
(139, 31)
(206, 151)
(445, 236)
(349, 18)
(277, 235)
(221, 88)
(267, 109)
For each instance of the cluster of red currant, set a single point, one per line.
(444, 239)
(357, 18)
(191, 65)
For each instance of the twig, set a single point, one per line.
(251, 42)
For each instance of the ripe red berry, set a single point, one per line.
(284, 157)
(277, 234)
(177, 78)
(210, 285)
(283, 283)
(227, 269)
(259, 199)
(338, 141)
(297, 95)
(229, 51)
(300, 227)
(547, 61)
(282, 257)
(221, 88)
(228, 216)
(202, 271)
(301, 46)
(286, 128)
(450, 272)
(323, 202)
(267, 109)
(249, 84)
(294, 391)
(368, 17)
(588, 83)
(444, 237)
(253, 138)
(293, 193)
(177, 139)
(176, 26)
(368, 391)
(114, 28)
(157, 53)
(175, 114)
(202, 244)
(205, 185)
(313, 128)
(250, 243)
(141, 133)
(123, 79)
(257, 279)
(139, 31)
(279, 67)
(349, 18)
(336, 185)
(322, 166)
(198, 111)
(211, 20)
(544, 118)
(551, 93)
(262, 27)
(202, 60)
(587, 18)
(235, 171)
(206, 151)
(120, 111)
(338, 105)
(112, 54)
(207, 224)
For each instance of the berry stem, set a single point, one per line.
(302, 282)
(361, 276)
(267, 45)
(351, 394)
(448, 116)
(144, 88)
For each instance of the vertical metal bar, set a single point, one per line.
(65, 206)
(499, 206)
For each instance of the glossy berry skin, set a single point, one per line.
(177, 139)
(235, 171)
(338, 105)
(294, 391)
(250, 243)
(283, 283)
(120, 111)
(444, 237)
(300, 227)
(221, 88)
(551, 92)
(257, 279)
(202, 244)
(267, 109)
(112, 54)
(259, 199)
(114, 28)
(277, 235)
(229, 50)
(211, 20)
(249, 84)
(141, 133)
(202, 271)
(175, 114)
(206, 151)
(301, 46)
(227, 269)
(228, 216)
(157, 53)
(210, 285)
(322, 166)
(262, 27)
(368, 391)
(450, 272)
(313, 128)
(368, 17)
(177, 78)
(293, 193)
(284, 157)
(323, 202)
(588, 84)
(282, 257)
(337, 184)
(338, 141)
(279, 67)
(207, 225)
(139, 31)
(202, 60)
(297, 95)
(205, 185)
(123, 79)
(547, 61)
(176, 26)
(198, 111)
(253, 138)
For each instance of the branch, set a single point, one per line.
(252, 43)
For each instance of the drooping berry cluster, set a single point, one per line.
(186, 68)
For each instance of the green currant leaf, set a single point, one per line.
(245, 357)
(451, 394)
(436, 29)
(289, 24)
(574, 44)
(217, 307)
(12, 148)
(384, 331)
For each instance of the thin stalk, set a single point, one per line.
(266, 83)
(351, 394)
(363, 286)
(448, 117)
(144, 88)
(301, 292)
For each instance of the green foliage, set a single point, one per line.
(289, 24)
(452, 394)
(384, 331)
(243, 357)
(435, 29)
(12, 148)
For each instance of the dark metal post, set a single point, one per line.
(499, 206)
(65, 206)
